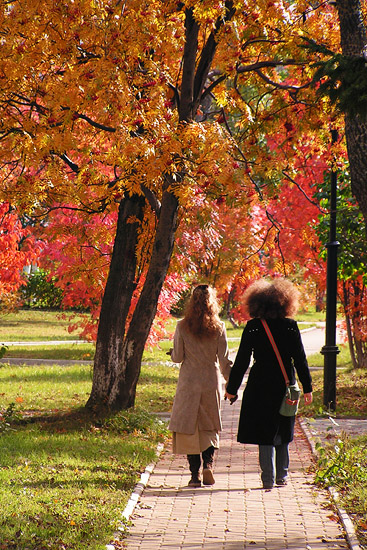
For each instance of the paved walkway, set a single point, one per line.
(236, 512)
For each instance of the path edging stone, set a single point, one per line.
(135, 495)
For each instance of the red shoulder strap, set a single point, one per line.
(272, 341)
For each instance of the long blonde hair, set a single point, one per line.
(202, 312)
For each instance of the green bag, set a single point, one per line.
(289, 406)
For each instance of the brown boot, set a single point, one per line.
(208, 456)
(208, 478)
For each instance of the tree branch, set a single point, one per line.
(277, 239)
(176, 94)
(94, 123)
(207, 53)
(152, 199)
(239, 150)
(75, 168)
(188, 67)
(210, 88)
(303, 192)
(282, 86)
(263, 64)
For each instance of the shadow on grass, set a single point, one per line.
(66, 475)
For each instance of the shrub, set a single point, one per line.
(41, 292)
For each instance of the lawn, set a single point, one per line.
(31, 324)
(351, 387)
(64, 483)
(65, 476)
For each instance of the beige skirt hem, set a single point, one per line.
(196, 443)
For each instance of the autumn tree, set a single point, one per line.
(124, 109)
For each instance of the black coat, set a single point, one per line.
(260, 421)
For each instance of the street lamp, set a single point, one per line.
(330, 350)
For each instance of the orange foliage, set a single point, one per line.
(89, 99)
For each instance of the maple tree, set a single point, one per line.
(122, 112)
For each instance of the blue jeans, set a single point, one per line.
(274, 463)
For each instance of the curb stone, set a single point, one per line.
(135, 495)
(343, 516)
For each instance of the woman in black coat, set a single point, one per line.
(260, 422)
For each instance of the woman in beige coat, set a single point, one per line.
(200, 345)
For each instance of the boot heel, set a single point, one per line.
(208, 478)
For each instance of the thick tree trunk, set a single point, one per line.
(354, 43)
(118, 356)
(122, 395)
(116, 303)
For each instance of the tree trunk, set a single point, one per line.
(228, 306)
(122, 394)
(320, 300)
(116, 303)
(348, 323)
(118, 356)
(354, 43)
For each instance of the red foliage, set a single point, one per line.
(18, 249)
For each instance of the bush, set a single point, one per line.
(41, 292)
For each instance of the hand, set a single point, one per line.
(308, 398)
(232, 398)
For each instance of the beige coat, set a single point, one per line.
(199, 387)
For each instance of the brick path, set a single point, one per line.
(235, 513)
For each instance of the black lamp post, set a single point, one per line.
(331, 350)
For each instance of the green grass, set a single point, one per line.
(53, 388)
(64, 484)
(343, 465)
(76, 352)
(45, 388)
(66, 477)
(311, 316)
(36, 325)
(351, 398)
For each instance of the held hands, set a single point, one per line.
(308, 398)
(232, 398)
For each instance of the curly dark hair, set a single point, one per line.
(271, 300)
(202, 312)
